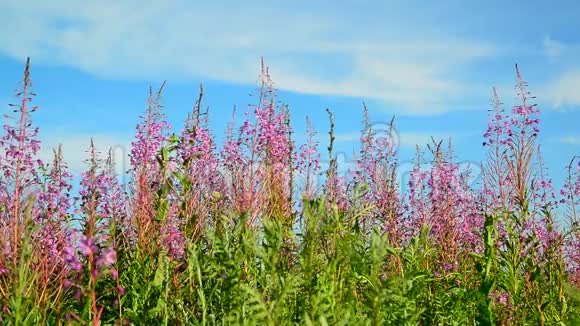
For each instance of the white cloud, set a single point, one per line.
(570, 140)
(75, 149)
(134, 39)
(405, 139)
(412, 139)
(564, 90)
(552, 49)
(347, 137)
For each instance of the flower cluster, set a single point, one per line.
(186, 191)
(308, 162)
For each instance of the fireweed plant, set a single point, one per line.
(243, 234)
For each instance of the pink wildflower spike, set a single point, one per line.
(113, 203)
(544, 193)
(522, 143)
(99, 194)
(200, 163)
(571, 202)
(440, 197)
(257, 162)
(114, 274)
(54, 236)
(416, 197)
(20, 170)
(273, 145)
(87, 246)
(107, 258)
(377, 168)
(308, 162)
(239, 157)
(172, 237)
(497, 138)
(146, 176)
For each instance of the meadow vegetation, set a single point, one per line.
(245, 233)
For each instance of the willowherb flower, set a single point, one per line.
(244, 175)
(19, 168)
(308, 161)
(54, 234)
(107, 258)
(97, 209)
(416, 202)
(439, 196)
(544, 196)
(570, 200)
(113, 204)
(77, 295)
(71, 258)
(93, 188)
(377, 169)
(151, 136)
(521, 149)
(570, 193)
(447, 267)
(498, 137)
(258, 160)
(113, 199)
(87, 246)
(500, 298)
(171, 235)
(200, 165)
(274, 149)
(67, 284)
(3, 270)
(55, 198)
(101, 201)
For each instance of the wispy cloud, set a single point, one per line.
(404, 139)
(552, 48)
(130, 39)
(561, 90)
(413, 139)
(75, 149)
(347, 137)
(570, 140)
(564, 90)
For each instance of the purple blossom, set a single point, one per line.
(150, 136)
(172, 237)
(3, 270)
(501, 299)
(377, 169)
(107, 258)
(308, 161)
(19, 167)
(199, 161)
(67, 284)
(87, 246)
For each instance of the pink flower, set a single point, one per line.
(87, 246)
(107, 258)
(3, 270)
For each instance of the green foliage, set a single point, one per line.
(331, 273)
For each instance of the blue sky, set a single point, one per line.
(430, 63)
